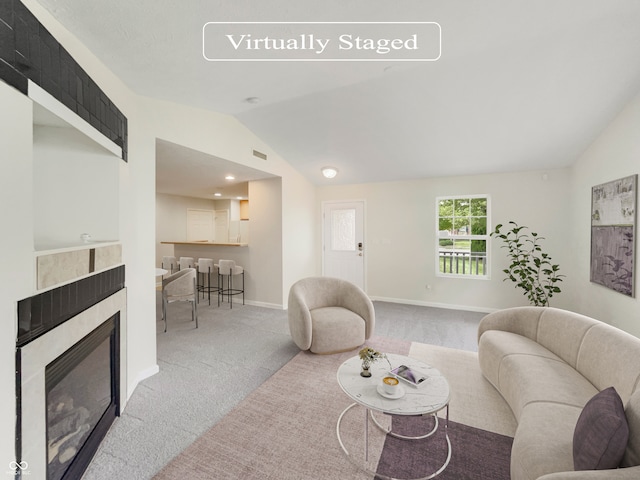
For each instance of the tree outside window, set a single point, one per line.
(462, 235)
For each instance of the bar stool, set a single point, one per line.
(169, 263)
(206, 268)
(229, 268)
(186, 262)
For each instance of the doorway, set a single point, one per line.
(343, 245)
(222, 226)
(199, 225)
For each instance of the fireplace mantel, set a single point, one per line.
(63, 265)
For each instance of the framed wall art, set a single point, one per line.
(613, 226)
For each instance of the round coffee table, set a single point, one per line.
(430, 398)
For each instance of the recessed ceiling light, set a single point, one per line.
(329, 172)
(217, 194)
(229, 177)
(239, 198)
(252, 100)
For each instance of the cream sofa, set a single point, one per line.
(547, 363)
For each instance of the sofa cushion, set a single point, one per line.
(495, 345)
(610, 358)
(632, 412)
(601, 434)
(336, 329)
(543, 442)
(525, 372)
(526, 379)
(552, 333)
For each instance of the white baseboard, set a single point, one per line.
(143, 375)
(384, 299)
(149, 372)
(264, 304)
(434, 304)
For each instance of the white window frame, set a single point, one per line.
(486, 237)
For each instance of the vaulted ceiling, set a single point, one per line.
(520, 84)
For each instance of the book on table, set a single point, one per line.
(411, 375)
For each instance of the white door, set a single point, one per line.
(222, 226)
(343, 241)
(199, 225)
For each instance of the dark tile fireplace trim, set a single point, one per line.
(45, 311)
(29, 52)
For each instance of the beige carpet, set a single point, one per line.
(283, 431)
(474, 401)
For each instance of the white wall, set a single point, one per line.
(300, 232)
(17, 279)
(615, 154)
(264, 265)
(400, 231)
(75, 188)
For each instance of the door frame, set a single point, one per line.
(324, 205)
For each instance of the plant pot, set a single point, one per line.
(366, 368)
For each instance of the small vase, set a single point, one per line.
(366, 371)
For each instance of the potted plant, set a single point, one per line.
(369, 355)
(531, 268)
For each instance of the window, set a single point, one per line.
(462, 236)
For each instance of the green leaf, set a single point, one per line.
(530, 269)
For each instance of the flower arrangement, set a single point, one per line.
(369, 355)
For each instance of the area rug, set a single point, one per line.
(475, 454)
(286, 429)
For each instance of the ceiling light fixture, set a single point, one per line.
(217, 194)
(229, 177)
(329, 172)
(252, 100)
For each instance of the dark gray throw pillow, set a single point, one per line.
(601, 434)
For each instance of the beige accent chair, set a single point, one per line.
(329, 315)
(180, 287)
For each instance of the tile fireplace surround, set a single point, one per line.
(34, 357)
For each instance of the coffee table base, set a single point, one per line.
(388, 431)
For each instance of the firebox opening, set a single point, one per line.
(82, 398)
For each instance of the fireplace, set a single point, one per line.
(71, 376)
(82, 400)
